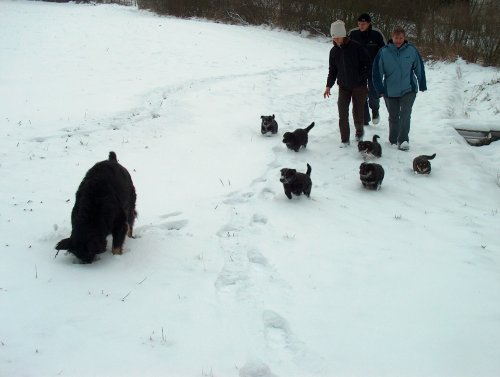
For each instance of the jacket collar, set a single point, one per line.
(391, 44)
(347, 40)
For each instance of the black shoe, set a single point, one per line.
(359, 137)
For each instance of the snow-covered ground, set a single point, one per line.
(227, 277)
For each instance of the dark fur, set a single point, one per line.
(371, 175)
(370, 148)
(268, 124)
(296, 183)
(422, 165)
(104, 204)
(298, 138)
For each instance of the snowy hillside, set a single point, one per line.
(226, 276)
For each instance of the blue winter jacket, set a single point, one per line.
(396, 71)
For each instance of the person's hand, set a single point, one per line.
(326, 93)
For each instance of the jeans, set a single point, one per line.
(373, 101)
(399, 109)
(358, 96)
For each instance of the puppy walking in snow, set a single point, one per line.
(298, 138)
(422, 165)
(296, 183)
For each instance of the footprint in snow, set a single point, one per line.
(276, 329)
(171, 214)
(163, 226)
(267, 193)
(237, 197)
(255, 369)
(259, 219)
(257, 258)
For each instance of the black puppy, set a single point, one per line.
(268, 124)
(371, 175)
(296, 183)
(298, 138)
(105, 204)
(422, 165)
(370, 148)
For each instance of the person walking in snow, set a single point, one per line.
(398, 74)
(373, 40)
(349, 66)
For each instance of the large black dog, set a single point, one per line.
(422, 165)
(296, 183)
(105, 204)
(298, 138)
(371, 175)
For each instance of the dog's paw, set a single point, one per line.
(117, 250)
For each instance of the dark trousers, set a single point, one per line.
(399, 109)
(358, 96)
(373, 101)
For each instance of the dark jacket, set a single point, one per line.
(349, 65)
(372, 39)
(397, 71)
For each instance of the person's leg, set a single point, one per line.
(366, 114)
(406, 104)
(393, 106)
(373, 101)
(344, 100)
(358, 103)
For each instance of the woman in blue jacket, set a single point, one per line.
(398, 74)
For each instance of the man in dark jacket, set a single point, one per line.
(350, 67)
(373, 40)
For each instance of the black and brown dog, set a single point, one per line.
(422, 165)
(298, 138)
(371, 175)
(268, 124)
(104, 204)
(296, 183)
(370, 148)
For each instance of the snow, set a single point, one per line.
(226, 276)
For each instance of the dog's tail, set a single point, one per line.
(308, 172)
(112, 157)
(308, 128)
(375, 137)
(429, 157)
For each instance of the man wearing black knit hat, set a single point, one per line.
(373, 40)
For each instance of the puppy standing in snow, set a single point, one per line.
(370, 149)
(296, 183)
(422, 165)
(371, 175)
(268, 124)
(298, 138)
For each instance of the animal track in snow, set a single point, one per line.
(237, 197)
(260, 219)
